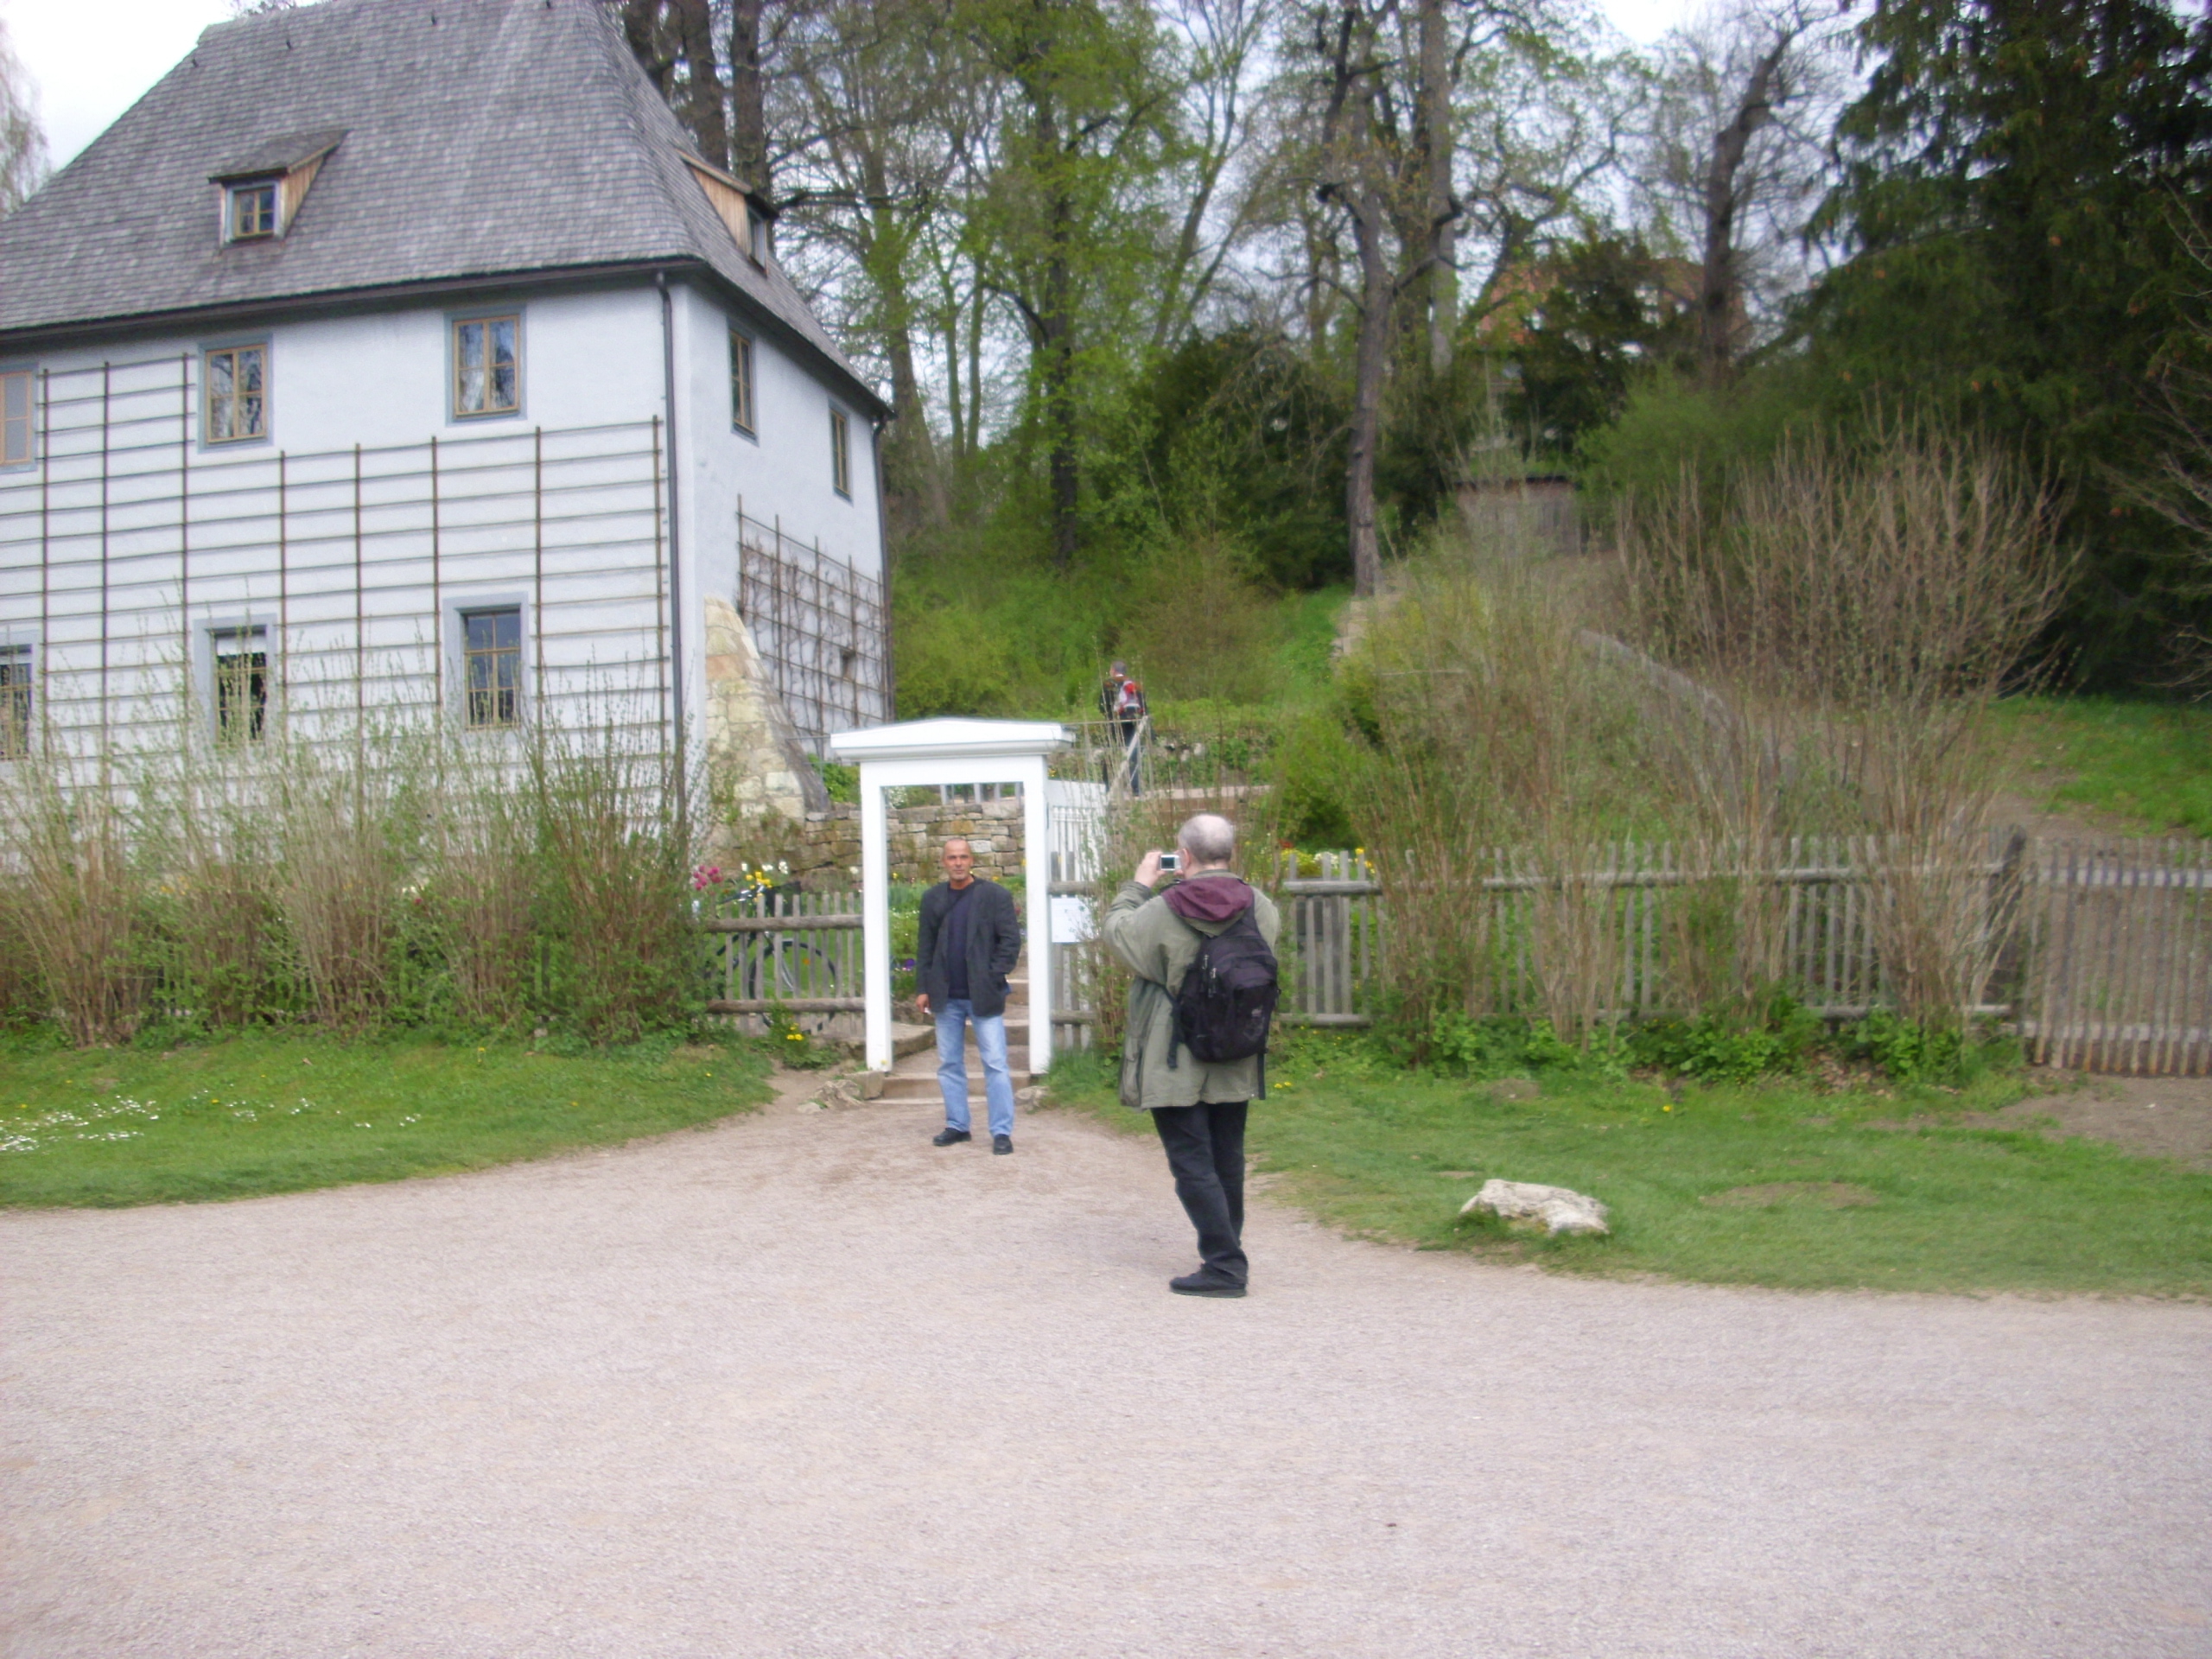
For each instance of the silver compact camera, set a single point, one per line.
(1170, 861)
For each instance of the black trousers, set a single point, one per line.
(1205, 1151)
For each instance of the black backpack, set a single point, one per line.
(1229, 996)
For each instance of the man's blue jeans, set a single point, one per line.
(953, 1018)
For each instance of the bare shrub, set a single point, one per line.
(347, 837)
(23, 996)
(615, 881)
(1856, 612)
(221, 945)
(1498, 726)
(482, 881)
(74, 899)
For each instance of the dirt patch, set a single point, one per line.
(2159, 1117)
(2164, 1117)
(1821, 1195)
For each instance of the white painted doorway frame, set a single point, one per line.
(935, 752)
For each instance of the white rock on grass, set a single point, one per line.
(1561, 1209)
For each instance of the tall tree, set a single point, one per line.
(22, 142)
(874, 121)
(1434, 139)
(674, 40)
(2017, 257)
(1080, 136)
(1736, 161)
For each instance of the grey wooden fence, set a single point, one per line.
(778, 949)
(2117, 956)
(2100, 952)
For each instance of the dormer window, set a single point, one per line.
(263, 188)
(253, 210)
(737, 208)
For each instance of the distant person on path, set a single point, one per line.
(969, 943)
(1109, 695)
(1197, 1106)
(1122, 699)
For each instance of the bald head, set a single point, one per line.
(1208, 842)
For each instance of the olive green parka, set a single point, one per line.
(1158, 946)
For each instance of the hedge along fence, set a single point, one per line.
(2099, 954)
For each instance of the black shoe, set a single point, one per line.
(1204, 1284)
(1001, 1144)
(950, 1137)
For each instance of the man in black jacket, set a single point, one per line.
(968, 943)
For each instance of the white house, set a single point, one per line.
(398, 358)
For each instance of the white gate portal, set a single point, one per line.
(933, 751)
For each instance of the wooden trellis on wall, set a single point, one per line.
(821, 627)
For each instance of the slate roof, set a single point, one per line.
(482, 139)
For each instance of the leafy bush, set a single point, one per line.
(1315, 772)
(1908, 1051)
(1501, 1046)
(952, 662)
(1714, 1048)
(843, 782)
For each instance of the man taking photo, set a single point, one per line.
(1210, 920)
(968, 943)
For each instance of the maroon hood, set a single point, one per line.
(1210, 898)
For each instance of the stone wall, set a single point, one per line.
(755, 762)
(828, 847)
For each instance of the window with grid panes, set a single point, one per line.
(237, 393)
(253, 210)
(491, 666)
(15, 702)
(241, 683)
(740, 381)
(840, 459)
(487, 367)
(15, 418)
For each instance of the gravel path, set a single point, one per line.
(803, 1385)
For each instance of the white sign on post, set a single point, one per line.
(1072, 922)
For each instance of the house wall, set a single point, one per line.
(561, 508)
(781, 474)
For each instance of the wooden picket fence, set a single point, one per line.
(1829, 888)
(777, 949)
(2101, 952)
(2117, 948)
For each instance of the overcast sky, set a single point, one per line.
(84, 82)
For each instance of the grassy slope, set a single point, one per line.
(2147, 765)
(1940, 1206)
(276, 1114)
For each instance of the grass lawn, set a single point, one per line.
(2148, 763)
(268, 1112)
(1772, 1184)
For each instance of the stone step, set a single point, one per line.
(901, 1089)
(927, 1065)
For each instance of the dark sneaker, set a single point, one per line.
(1204, 1284)
(1001, 1144)
(950, 1137)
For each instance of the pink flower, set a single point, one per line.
(705, 876)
